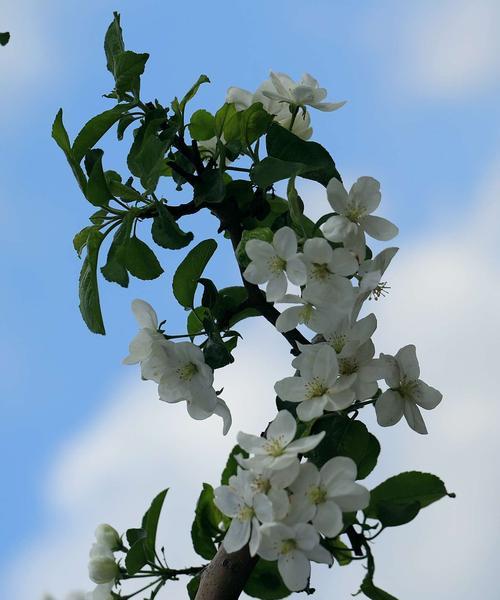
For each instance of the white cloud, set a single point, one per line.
(444, 49)
(445, 298)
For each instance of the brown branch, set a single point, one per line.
(226, 575)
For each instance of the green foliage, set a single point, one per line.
(339, 550)
(113, 42)
(97, 191)
(210, 187)
(4, 38)
(265, 582)
(88, 288)
(188, 273)
(202, 125)
(180, 107)
(192, 587)
(206, 525)
(399, 499)
(346, 437)
(259, 233)
(140, 260)
(232, 465)
(165, 231)
(60, 135)
(246, 126)
(115, 269)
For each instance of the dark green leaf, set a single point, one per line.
(270, 170)
(231, 465)
(165, 231)
(4, 38)
(296, 206)
(113, 42)
(265, 582)
(88, 287)
(254, 123)
(123, 123)
(394, 501)
(285, 145)
(61, 138)
(370, 590)
(195, 320)
(93, 131)
(140, 260)
(146, 158)
(150, 523)
(259, 233)
(215, 351)
(192, 92)
(136, 557)
(202, 125)
(346, 437)
(97, 192)
(189, 272)
(128, 67)
(123, 191)
(98, 217)
(80, 239)
(339, 550)
(134, 534)
(222, 118)
(192, 587)
(209, 187)
(206, 522)
(114, 269)
(243, 314)
(210, 293)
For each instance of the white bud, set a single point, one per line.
(107, 536)
(103, 569)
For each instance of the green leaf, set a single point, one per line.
(94, 129)
(128, 68)
(61, 138)
(215, 351)
(265, 582)
(97, 192)
(285, 145)
(136, 558)
(222, 118)
(114, 270)
(394, 502)
(146, 158)
(88, 287)
(231, 465)
(209, 187)
(339, 550)
(123, 123)
(150, 523)
(165, 231)
(259, 233)
(195, 320)
(4, 38)
(140, 260)
(296, 206)
(270, 170)
(189, 272)
(373, 592)
(113, 42)
(202, 125)
(206, 522)
(192, 92)
(192, 587)
(134, 534)
(346, 437)
(254, 122)
(80, 239)
(210, 293)
(123, 191)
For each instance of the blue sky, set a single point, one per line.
(422, 80)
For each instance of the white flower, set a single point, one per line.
(243, 99)
(247, 509)
(360, 363)
(321, 496)
(293, 547)
(102, 564)
(108, 536)
(354, 212)
(407, 392)
(344, 336)
(274, 263)
(305, 313)
(278, 449)
(318, 387)
(305, 92)
(101, 592)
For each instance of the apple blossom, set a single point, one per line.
(108, 536)
(318, 387)
(274, 263)
(277, 449)
(306, 312)
(354, 212)
(102, 564)
(101, 592)
(321, 496)
(293, 547)
(407, 392)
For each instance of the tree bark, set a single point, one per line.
(226, 575)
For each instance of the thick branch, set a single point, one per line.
(226, 576)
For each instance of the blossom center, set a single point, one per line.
(277, 264)
(306, 313)
(274, 447)
(348, 366)
(320, 271)
(261, 484)
(315, 388)
(354, 213)
(337, 342)
(187, 371)
(245, 513)
(288, 546)
(408, 387)
(317, 494)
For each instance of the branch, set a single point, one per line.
(226, 576)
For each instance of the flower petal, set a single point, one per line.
(328, 519)
(408, 362)
(276, 287)
(283, 426)
(318, 250)
(295, 569)
(237, 535)
(365, 193)
(413, 417)
(427, 397)
(343, 262)
(227, 501)
(285, 242)
(338, 228)
(337, 195)
(389, 408)
(378, 228)
(305, 444)
(259, 250)
(291, 389)
(296, 270)
(145, 314)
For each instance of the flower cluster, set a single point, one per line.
(283, 97)
(281, 507)
(334, 277)
(179, 368)
(103, 568)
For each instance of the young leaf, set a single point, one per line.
(128, 68)
(93, 131)
(150, 523)
(192, 92)
(346, 437)
(205, 526)
(165, 231)
(88, 288)
(61, 138)
(189, 272)
(113, 42)
(140, 260)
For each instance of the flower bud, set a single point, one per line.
(108, 536)
(103, 569)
